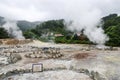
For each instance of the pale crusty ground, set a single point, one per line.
(107, 63)
(52, 75)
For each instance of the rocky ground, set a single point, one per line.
(78, 62)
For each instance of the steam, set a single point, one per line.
(12, 29)
(85, 14)
(96, 35)
(86, 17)
(93, 31)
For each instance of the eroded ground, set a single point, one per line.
(75, 57)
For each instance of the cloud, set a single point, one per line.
(33, 10)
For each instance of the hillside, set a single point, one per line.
(111, 26)
(25, 25)
(1, 21)
(55, 30)
(22, 24)
(112, 29)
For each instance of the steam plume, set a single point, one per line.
(85, 14)
(12, 29)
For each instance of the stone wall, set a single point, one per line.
(92, 74)
(11, 57)
(46, 52)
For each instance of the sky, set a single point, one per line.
(36, 10)
(84, 14)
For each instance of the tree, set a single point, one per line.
(3, 33)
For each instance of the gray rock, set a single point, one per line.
(2, 76)
(32, 56)
(9, 73)
(27, 70)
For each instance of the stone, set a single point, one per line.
(8, 54)
(21, 71)
(10, 78)
(9, 73)
(93, 75)
(96, 76)
(14, 60)
(27, 70)
(32, 56)
(54, 56)
(87, 72)
(15, 71)
(81, 70)
(2, 76)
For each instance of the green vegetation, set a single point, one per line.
(111, 26)
(112, 29)
(47, 30)
(56, 26)
(3, 33)
(26, 25)
(56, 30)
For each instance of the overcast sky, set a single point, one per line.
(33, 10)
